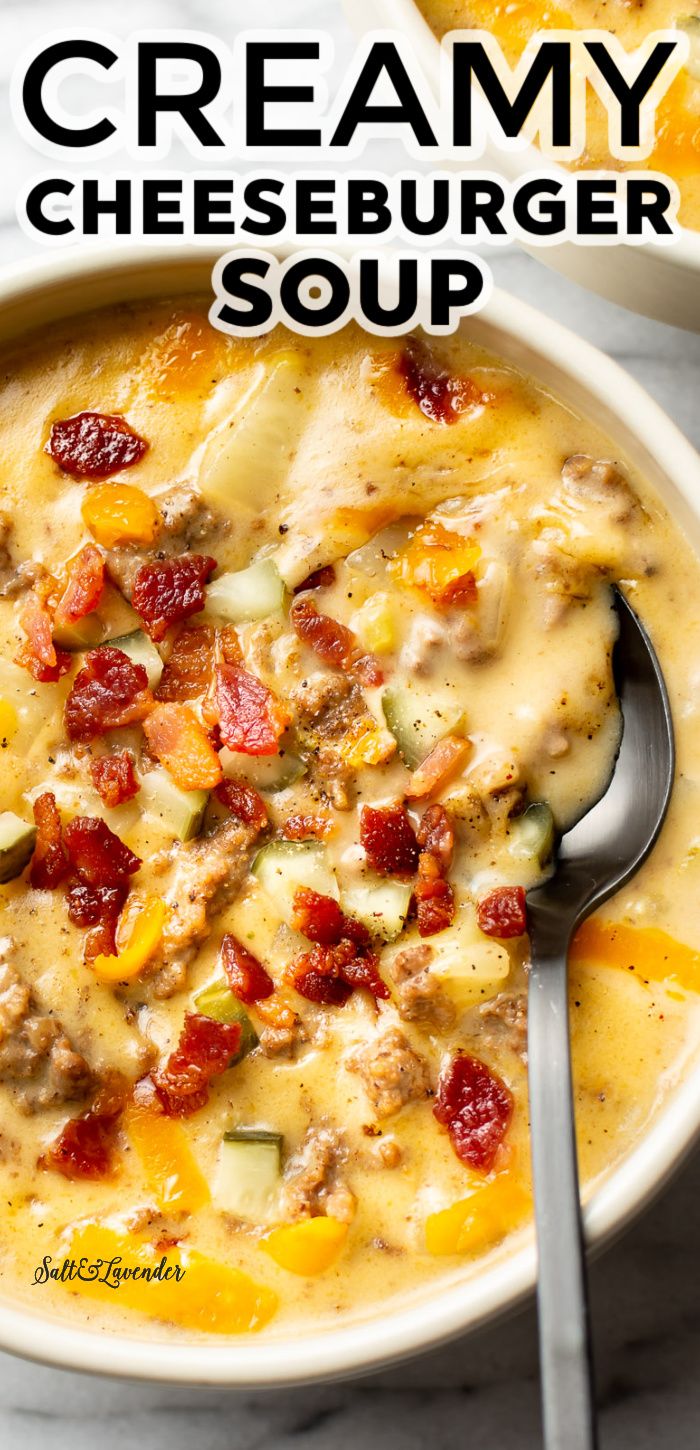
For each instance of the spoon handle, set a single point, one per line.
(566, 1367)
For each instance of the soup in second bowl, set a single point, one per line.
(515, 22)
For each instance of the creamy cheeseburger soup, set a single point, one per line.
(515, 22)
(305, 658)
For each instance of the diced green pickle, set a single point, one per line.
(417, 723)
(142, 651)
(217, 1001)
(532, 834)
(17, 839)
(248, 1174)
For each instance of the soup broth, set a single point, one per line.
(305, 659)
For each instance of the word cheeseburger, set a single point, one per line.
(268, 102)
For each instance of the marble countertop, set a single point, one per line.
(481, 1391)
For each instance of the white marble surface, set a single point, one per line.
(481, 1392)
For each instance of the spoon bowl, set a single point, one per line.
(595, 858)
(610, 842)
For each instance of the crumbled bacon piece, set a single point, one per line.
(98, 856)
(320, 919)
(320, 579)
(329, 974)
(320, 987)
(476, 1108)
(108, 692)
(306, 828)
(84, 1147)
(205, 1049)
(436, 835)
(439, 395)
(243, 801)
(114, 777)
(49, 865)
(246, 976)
(39, 654)
(38, 627)
(503, 912)
(45, 674)
(228, 645)
(170, 590)
(433, 897)
(94, 445)
(366, 669)
(251, 718)
(88, 905)
(98, 907)
(333, 642)
(363, 971)
(317, 974)
(188, 672)
(389, 840)
(101, 941)
(102, 865)
(84, 587)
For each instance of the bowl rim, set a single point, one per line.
(426, 1319)
(406, 17)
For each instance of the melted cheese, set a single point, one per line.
(678, 116)
(528, 667)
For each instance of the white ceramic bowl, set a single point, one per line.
(41, 292)
(661, 281)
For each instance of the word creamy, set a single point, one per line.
(268, 93)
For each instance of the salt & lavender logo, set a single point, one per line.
(112, 1272)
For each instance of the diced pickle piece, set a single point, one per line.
(180, 812)
(418, 722)
(382, 907)
(271, 773)
(283, 866)
(248, 1173)
(17, 839)
(83, 634)
(217, 1001)
(248, 594)
(532, 834)
(142, 651)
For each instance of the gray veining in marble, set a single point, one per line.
(482, 1391)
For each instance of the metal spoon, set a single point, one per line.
(597, 856)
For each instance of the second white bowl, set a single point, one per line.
(658, 280)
